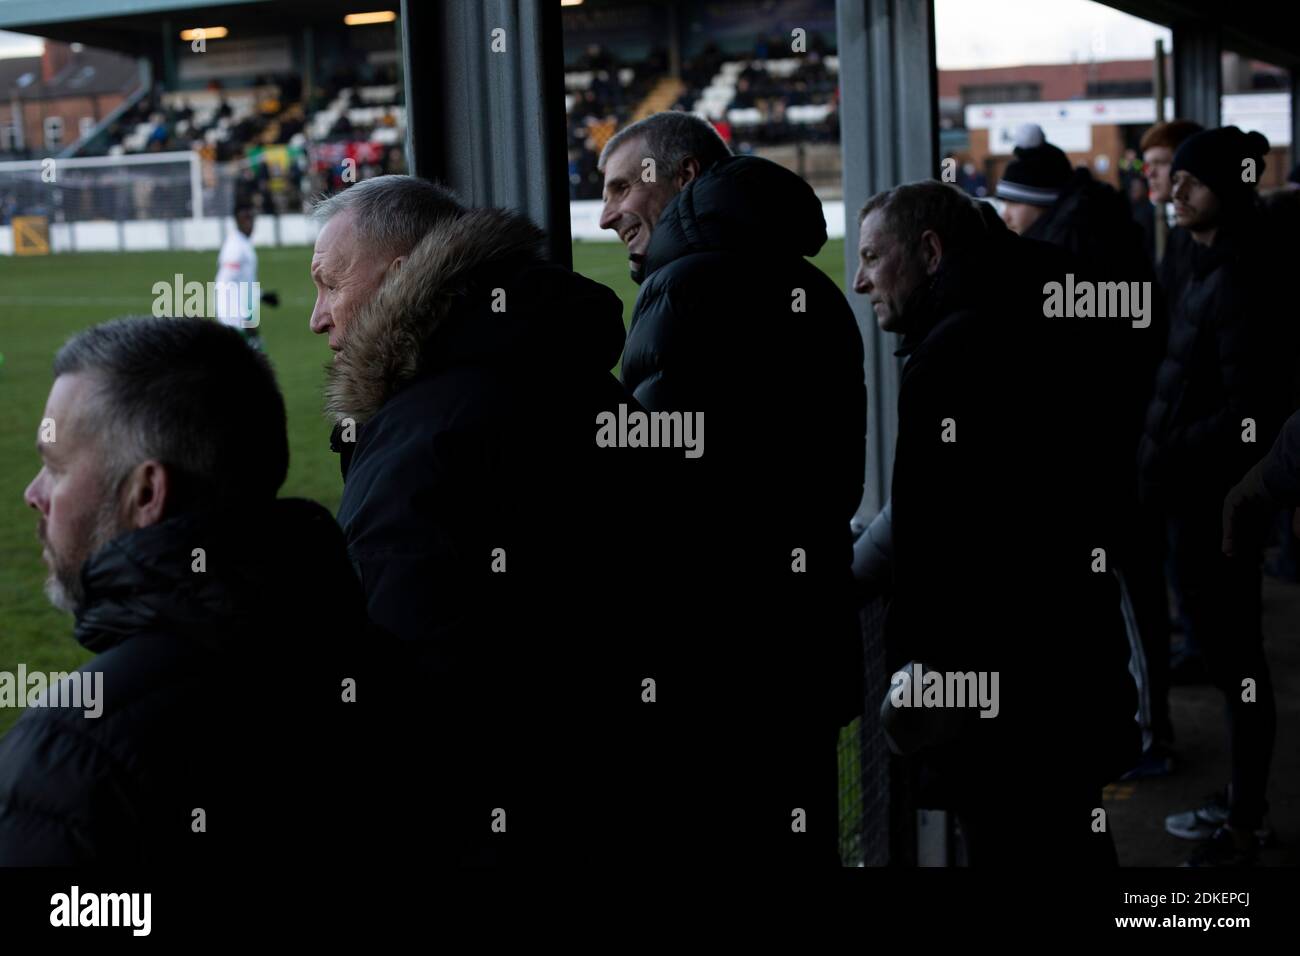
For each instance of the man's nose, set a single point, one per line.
(32, 495)
(609, 216)
(318, 316)
(861, 284)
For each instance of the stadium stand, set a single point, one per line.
(264, 142)
(601, 95)
(755, 103)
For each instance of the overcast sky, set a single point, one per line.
(973, 33)
(15, 44)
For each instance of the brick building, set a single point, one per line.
(1097, 111)
(47, 102)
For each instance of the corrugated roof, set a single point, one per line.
(88, 72)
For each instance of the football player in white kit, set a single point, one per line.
(236, 284)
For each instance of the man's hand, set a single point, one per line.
(1246, 510)
(910, 729)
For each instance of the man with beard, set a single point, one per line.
(159, 522)
(1220, 392)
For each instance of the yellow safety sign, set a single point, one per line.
(31, 236)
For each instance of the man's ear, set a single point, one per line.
(931, 251)
(690, 170)
(395, 266)
(145, 494)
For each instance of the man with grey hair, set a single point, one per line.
(366, 233)
(645, 165)
(164, 539)
(733, 322)
(467, 379)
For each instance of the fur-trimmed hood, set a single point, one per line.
(437, 312)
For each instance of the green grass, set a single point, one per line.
(44, 300)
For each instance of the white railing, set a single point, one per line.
(207, 233)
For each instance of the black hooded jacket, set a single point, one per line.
(733, 320)
(763, 654)
(481, 518)
(222, 690)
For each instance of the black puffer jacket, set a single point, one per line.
(481, 518)
(729, 297)
(1224, 362)
(733, 321)
(221, 691)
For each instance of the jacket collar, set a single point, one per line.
(955, 287)
(264, 569)
(144, 580)
(343, 449)
(1241, 225)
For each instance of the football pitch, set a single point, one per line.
(44, 300)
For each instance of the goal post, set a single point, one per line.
(116, 188)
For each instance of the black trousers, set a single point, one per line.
(1221, 602)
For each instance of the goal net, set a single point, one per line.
(116, 188)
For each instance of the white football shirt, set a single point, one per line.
(236, 263)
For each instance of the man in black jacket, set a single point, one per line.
(759, 665)
(223, 621)
(479, 510)
(996, 432)
(1220, 393)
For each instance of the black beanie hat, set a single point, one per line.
(1215, 157)
(1039, 171)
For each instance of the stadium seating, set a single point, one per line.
(755, 102)
(266, 140)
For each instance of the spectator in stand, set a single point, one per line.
(970, 180)
(1158, 145)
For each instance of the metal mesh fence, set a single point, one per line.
(864, 758)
